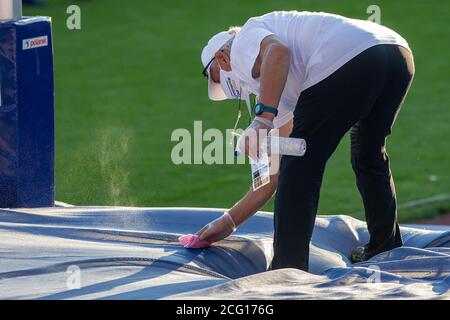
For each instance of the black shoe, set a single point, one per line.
(359, 254)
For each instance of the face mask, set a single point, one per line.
(230, 84)
(234, 88)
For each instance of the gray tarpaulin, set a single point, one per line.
(133, 253)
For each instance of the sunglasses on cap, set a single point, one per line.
(205, 70)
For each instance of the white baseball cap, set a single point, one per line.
(215, 91)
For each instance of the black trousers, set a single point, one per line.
(365, 96)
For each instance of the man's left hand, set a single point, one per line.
(250, 138)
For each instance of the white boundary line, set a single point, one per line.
(418, 202)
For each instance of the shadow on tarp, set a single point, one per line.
(149, 270)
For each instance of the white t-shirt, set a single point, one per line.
(320, 43)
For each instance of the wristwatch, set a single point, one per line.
(260, 108)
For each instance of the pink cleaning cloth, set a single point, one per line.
(193, 241)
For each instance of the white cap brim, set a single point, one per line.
(215, 91)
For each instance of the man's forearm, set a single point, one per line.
(252, 202)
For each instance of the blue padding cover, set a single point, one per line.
(133, 253)
(26, 113)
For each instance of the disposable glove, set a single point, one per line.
(248, 142)
(217, 229)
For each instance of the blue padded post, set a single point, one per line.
(26, 113)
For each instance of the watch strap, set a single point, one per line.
(265, 108)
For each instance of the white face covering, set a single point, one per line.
(234, 88)
(230, 84)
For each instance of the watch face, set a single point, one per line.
(258, 109)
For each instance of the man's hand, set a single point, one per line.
(249, 140)
(218, 229)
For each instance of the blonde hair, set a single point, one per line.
(234, 30)
(231, 30)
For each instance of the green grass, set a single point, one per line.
(131, 75)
